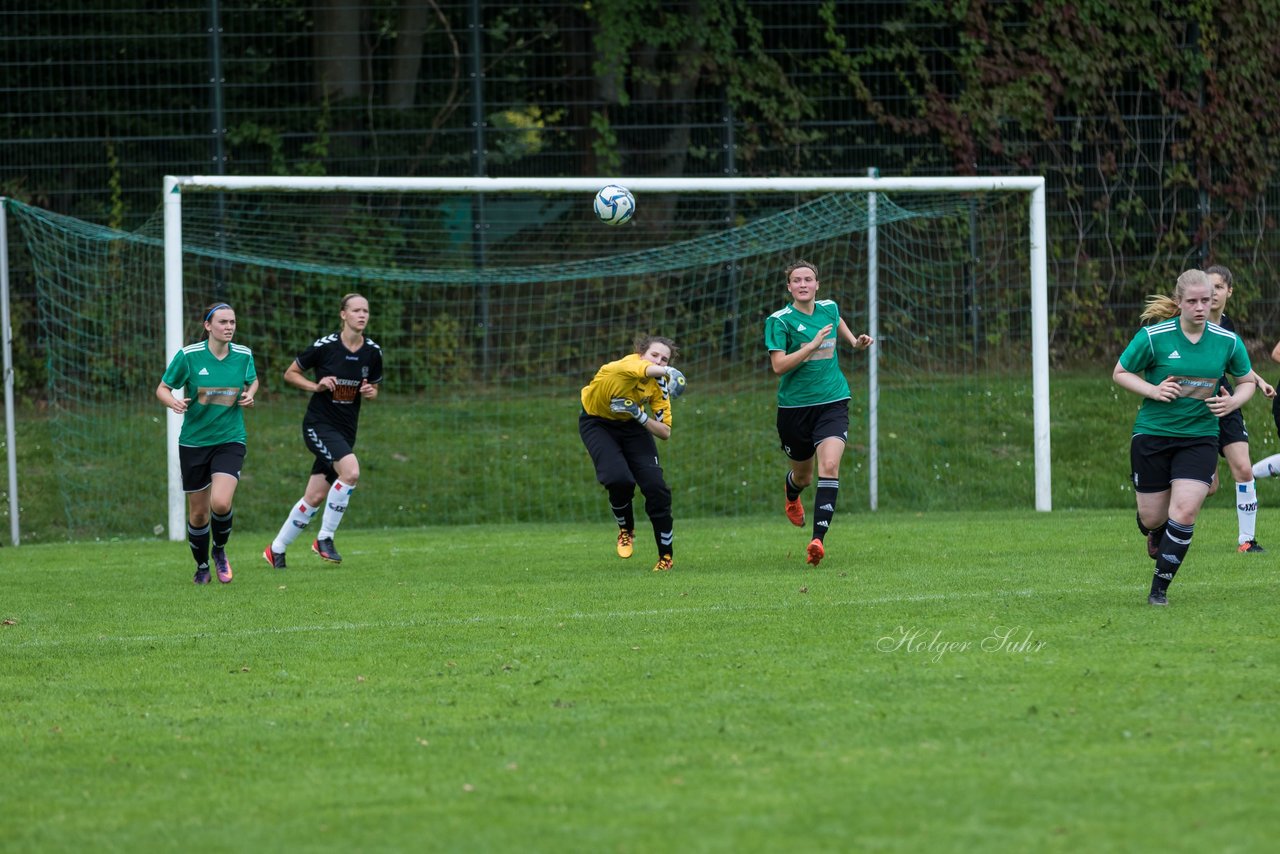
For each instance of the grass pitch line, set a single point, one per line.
(498, 619)
(1117, 586)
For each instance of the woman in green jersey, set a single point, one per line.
(813, 397)
(218, 381)
(1176, 365)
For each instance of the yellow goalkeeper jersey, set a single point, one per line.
(625, 378)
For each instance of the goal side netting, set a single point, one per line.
(494, 306)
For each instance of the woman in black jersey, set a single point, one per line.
(348, 368)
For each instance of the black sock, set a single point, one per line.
(1158, 530)
(1173, 548)
(664, 534)
(221, 527)
(1153, 535)
(621, 503)
(824, 503)
(793, 491)
(198, 539)
(624, 512)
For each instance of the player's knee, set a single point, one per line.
(621, 490)
(657, 496)
(348, 470)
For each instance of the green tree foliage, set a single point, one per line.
(1155, 123)
(667, 53)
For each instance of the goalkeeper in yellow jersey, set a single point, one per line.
(618, 433)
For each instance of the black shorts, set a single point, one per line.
(802, 428)
(328, 445)
(199, 465)
(1231, 429)
(1157, 461)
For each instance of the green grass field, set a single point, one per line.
(945, 681)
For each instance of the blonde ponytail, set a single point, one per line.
(1159, 307)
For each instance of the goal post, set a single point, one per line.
(1032, 188)
(10, 414)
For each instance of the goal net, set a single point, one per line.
(494, 303)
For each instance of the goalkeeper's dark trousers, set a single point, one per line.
(626, 456)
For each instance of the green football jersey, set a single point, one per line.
(816, 380)
(1160, 351)
(214, 386)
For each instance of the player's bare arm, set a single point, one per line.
(857, 342)
(247, 396)
(782, 362)
(171, 401)
(658, 429)
(1166, 391)
(1223, 403)
(294, 376)
(1267, 389)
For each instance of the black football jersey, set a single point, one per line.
(329, 357)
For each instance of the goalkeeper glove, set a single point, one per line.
(630, 407)
(674, 383)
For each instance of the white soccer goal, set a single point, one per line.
(703, 255)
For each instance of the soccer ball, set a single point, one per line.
(614, 205)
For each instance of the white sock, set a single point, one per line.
(1247, 510)
(299, 516)
(1270, 467)
(335, 505)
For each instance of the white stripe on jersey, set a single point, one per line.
(789, 309)
(333, 336)
(1159, 329)
(240, 348)
(1226, 333)
(1172, 324)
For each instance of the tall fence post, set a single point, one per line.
(479, 223)
(10, 431)
(217, 105)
